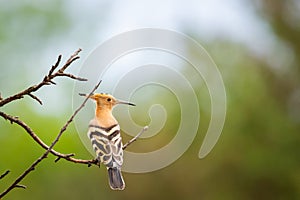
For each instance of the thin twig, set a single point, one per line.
(41, 143)
(21, 186)
(35, 98)
(35, 163)
(55, 66)
(72, 76)
(135, 138)
(63, 129)
(47, 79)
(4, 174)
(70, 60)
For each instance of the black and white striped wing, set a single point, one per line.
(107, 143)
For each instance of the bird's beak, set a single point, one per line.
(127, 103)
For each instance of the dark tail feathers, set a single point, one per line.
(115, 178)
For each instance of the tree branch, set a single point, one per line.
(72, 76)
(135, 138)
(54, 71)
(41, 143)
(48, 79)
(4, 174)
(42, 157)
(35, 98)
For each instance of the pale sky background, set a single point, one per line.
(234, 19)
(94, 21)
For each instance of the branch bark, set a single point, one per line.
(15, 184)
(48, 80)
(135, 137)
(4, 174)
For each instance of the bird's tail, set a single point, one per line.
(115, 178)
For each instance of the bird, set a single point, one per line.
(104, 133)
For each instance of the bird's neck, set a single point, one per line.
(104, 117)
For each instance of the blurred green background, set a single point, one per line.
(255, 44)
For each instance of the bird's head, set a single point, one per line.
(106, 100)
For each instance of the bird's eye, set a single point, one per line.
(109, 99)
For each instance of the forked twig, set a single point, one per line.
(15, 184)
(34, 136)
(48, 80)
(54, 72)
(135, 137)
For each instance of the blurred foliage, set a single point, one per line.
(257, 156)
(25, 29)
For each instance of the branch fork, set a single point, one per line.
(48, 80)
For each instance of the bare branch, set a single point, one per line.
(4, 174)
(20, 186)
(35, 98)
(72, 76)
(63, 129)
(47, 79)
(41, 143)
(135, 138)
(70, 60)
(29, 131)
(35, 163)
(52, 82)
(55, 66)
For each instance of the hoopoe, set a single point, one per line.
(104, 133)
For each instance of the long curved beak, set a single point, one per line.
(127, 103)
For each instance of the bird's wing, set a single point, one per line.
(107, 143)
